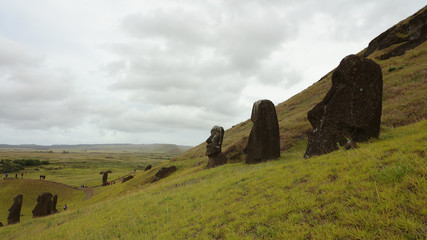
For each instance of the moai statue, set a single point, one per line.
(351, 110)
(15, 210)
(44, 205)
(264, 139)
(54, 202)
(213, 147)
(105, 178)
(164, 172)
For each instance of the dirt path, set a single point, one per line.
(88, 190)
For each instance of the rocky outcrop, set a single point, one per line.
(213, 147)
(147, 168)
(15, 210)
(164, 172)
(105, 177)
(44, 205)
(264, 139)
(409, 33)
(351, 110)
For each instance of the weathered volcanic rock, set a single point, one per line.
(105, 178)
(164, 172)
(264, 139)
(409, 34)
(213, 147)
(54, 202)
(1, 224)
(44, 205)
(127, 178)
(147, 168)
(15, 210)
(351, 110)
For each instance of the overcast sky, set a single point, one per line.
(78, 71)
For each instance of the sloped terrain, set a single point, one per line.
(377, 191)
(404, 91)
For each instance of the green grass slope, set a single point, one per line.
(378, 191)
(31, 189)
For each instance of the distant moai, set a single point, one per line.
(213, 147)
(54, 202)
(105, 178)
(164, 172)
(15, 210)
(127, 178)
(264, 139)
(351, 110)
(44, 205)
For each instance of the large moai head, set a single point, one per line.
(264, 139)
(351, 110)
(15, 210)
(44, 205)
(214, 142)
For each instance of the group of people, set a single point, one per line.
(110, 183)
(83, 186)
(16, 176)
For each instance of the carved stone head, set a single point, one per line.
(214, 142)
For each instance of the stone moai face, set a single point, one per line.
(15, 210)
(351, 110)
(105, 178)
(264, 139)
(44, 205)
(214, 142)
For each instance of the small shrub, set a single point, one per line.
(391, 69)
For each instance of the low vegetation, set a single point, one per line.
(378, 191)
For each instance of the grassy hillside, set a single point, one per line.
(378, 191)
(404, 102)
(81, 165)
(31, 189)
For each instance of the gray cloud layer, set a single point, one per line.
(139, 71)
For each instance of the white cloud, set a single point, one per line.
(167, 71)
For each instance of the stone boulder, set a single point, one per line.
(147, 168)
(127, 178)
(44, 205)
(351, 110)
(1, 224)
(54, 202)
(164, 172)
(264, 139)
(408, 34)
(213, 147)
(15, 210)
(105, 177)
